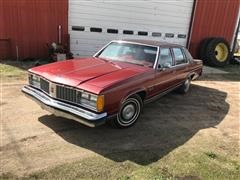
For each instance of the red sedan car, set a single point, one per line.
(115, 83)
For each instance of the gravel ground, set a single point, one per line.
(33, 140)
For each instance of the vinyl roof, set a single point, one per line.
(150, 42)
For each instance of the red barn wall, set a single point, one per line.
(213, 18)
(30, 24)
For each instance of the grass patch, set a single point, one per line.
(211, 155)
(11, 71)
(179, 164)
(16, 70)
(186, 164)
(89, 168)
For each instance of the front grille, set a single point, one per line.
(44, 85)
(66, 93)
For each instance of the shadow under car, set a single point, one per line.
(164, 125)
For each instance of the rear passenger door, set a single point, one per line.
(164, 76)
(180, 64)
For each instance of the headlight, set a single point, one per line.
(34, 80)
(92, 100)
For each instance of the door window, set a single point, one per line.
(179, 56)
(165, 57)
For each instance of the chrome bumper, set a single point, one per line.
(62, 109)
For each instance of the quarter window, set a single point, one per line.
(179, 56)
(165, 57)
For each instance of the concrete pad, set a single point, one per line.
(212, 70)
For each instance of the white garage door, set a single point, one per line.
(93, 24)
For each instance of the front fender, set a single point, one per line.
(132, 92)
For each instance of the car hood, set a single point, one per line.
(92, 74)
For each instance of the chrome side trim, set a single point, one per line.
(156, 59)
(97, 53)
(161, 94)
(46, 100)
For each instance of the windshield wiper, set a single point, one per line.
(134, 63)
(110, 61)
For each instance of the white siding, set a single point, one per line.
(151, 16)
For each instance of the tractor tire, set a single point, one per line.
(202, 50)
(218, 52)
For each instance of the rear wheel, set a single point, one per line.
(129, 112)
(184, 88)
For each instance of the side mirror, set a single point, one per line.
(166, 65)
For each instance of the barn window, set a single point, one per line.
(127, 32)
(169, 35)
(156, 34)
(113, 31)
(182, 36)
(94, 29)
(142, 33)
(78, 28)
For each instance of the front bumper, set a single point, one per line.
(59, 108)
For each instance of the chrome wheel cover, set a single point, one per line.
(129, 112)
(186, 85)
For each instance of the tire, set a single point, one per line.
(218, 52)
(129, 112)
(184, 88)
(202, 50)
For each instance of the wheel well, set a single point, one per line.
(192, 76)
(142, 94)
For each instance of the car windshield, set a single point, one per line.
(133, 53)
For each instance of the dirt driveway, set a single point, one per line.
(204, 120)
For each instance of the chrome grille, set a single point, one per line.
(44, 85)
(66, 93)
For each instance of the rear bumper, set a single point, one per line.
(65, 110)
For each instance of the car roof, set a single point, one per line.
(150, 42)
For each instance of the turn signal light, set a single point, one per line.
(100, 103)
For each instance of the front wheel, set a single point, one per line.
(184, 88)
(129, 112)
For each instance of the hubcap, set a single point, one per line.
(128, 111)
(187, 84)
(221, 52)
